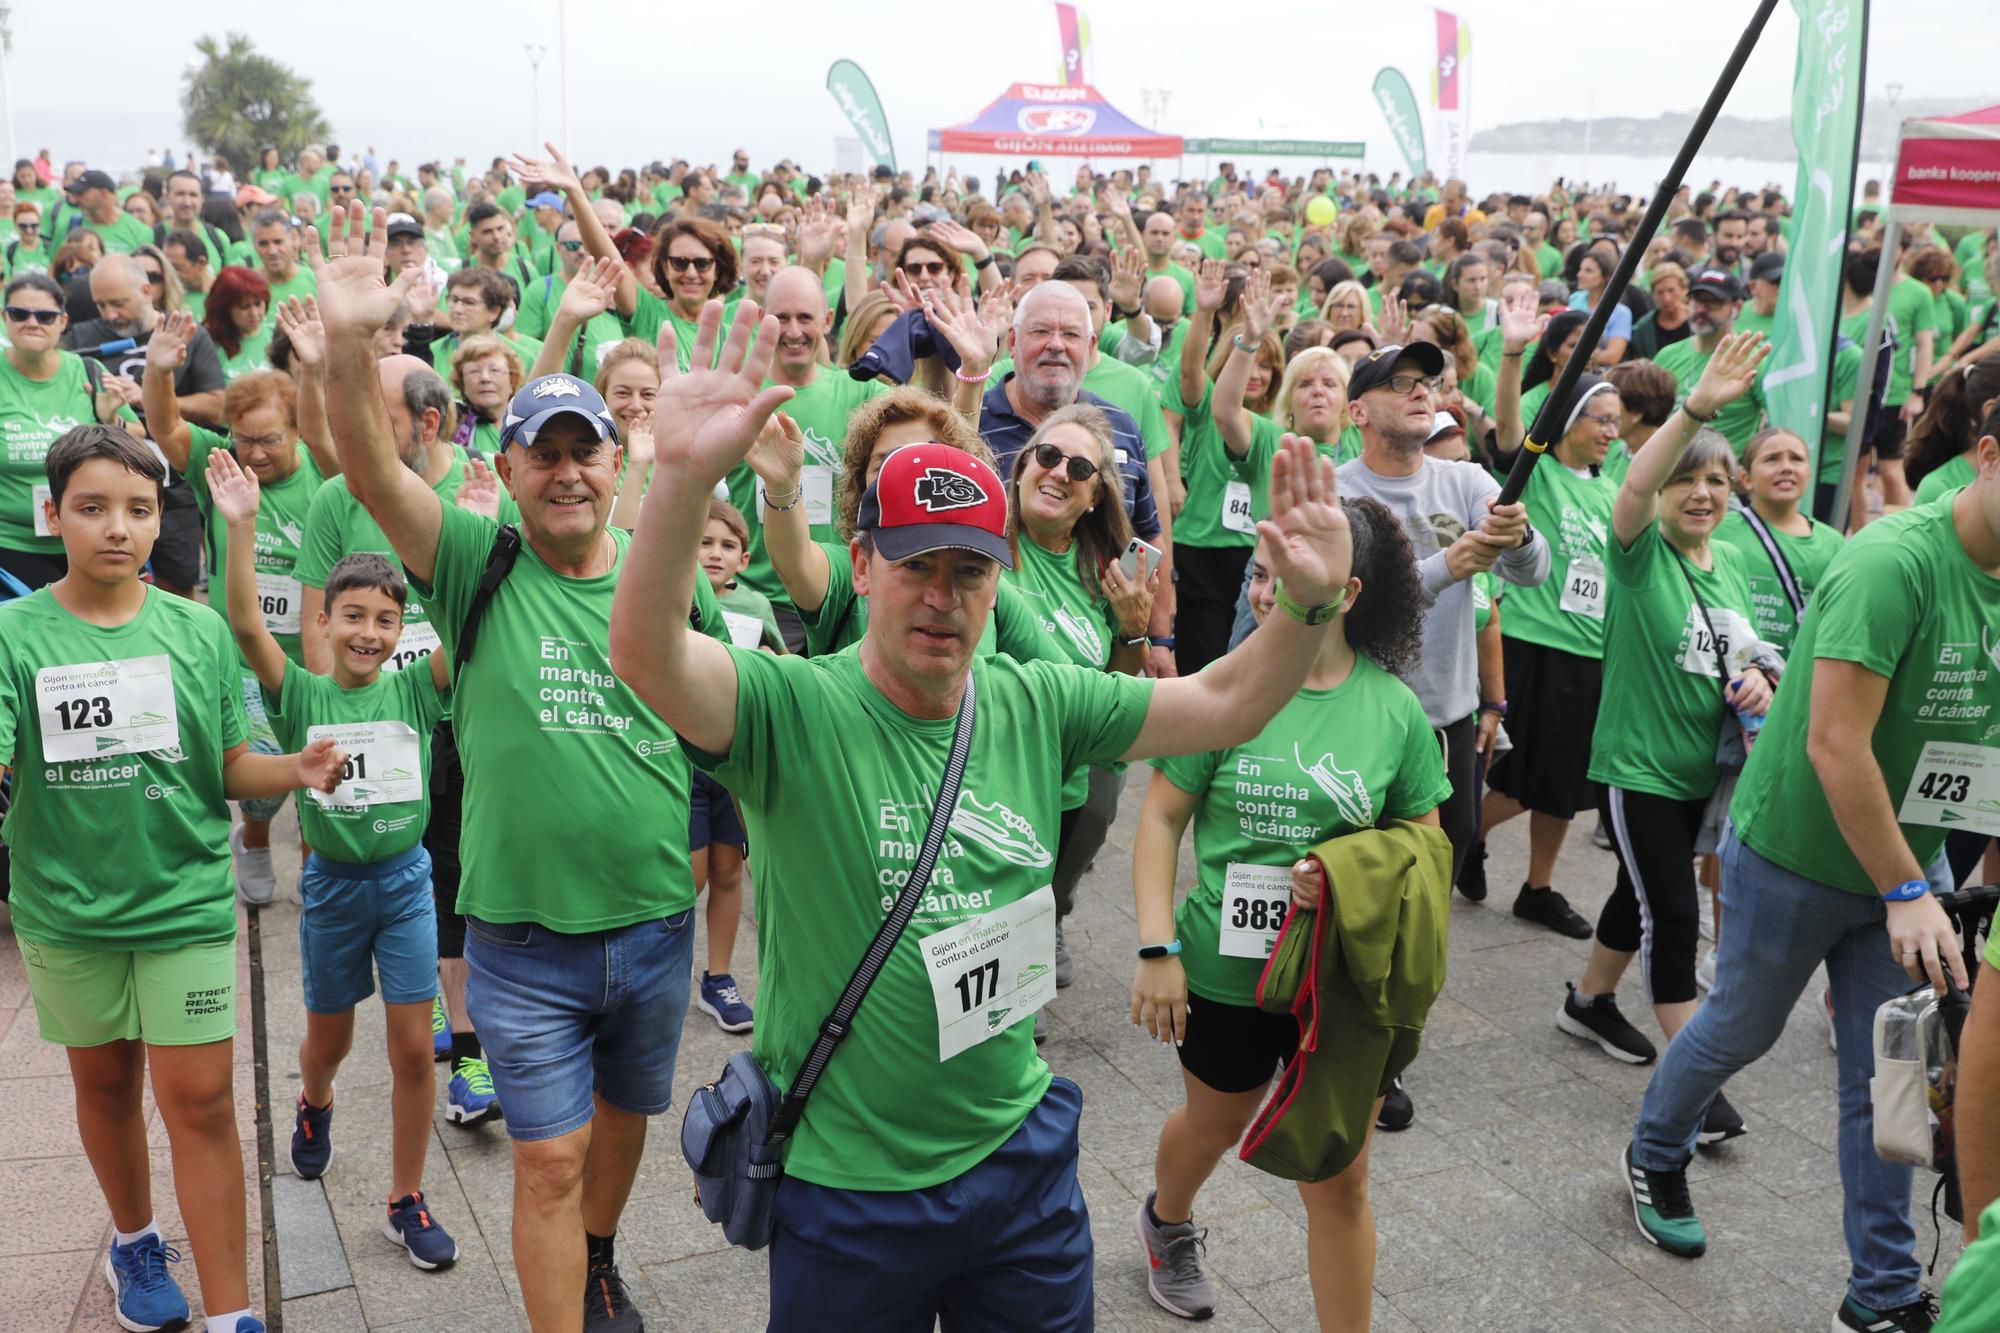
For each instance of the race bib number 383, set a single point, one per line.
(989, 973)
(1954, 786)
(1255, 900)
(92, 709)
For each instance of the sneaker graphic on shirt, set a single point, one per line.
(994, 825)
(1343, 786)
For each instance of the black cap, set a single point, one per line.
(1373, 371)
(1716, 283)
(402, 224)
(90, 180)
(1767, 267)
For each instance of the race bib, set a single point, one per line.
(744, 631)
(417, 641)
(93, 709)
(1583, 588)
(1954, 786)
(1255, 902)
(1699, 657)
(278, 599)
(40, 518)
(1236, 507)
(817, 482)
(384, 763)
(989, 973)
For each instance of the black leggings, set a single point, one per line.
(1082, 834)
(1207, 580)
(1655, 909)
(441, 837)
(1459, 814)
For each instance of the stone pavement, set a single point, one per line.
(1500, 1210)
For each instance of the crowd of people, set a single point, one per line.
(566, 544)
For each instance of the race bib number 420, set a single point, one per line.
(1954, 786)
(93, 709)
(989, 973)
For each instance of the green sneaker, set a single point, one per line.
(469, 1097)
(1662, 1208)
(440, 1031)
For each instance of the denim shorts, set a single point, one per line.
(712, 816)
(359, 919)
(563, 1016)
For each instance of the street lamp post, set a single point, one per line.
(535, 52)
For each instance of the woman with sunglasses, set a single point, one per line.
(1352, 747)
(163, 284)
(234, 317)
(29, 251)
(693, 259)
(1070, 528)
(43, 390)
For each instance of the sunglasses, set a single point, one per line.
(153, 275)
(934, 269)
(1050, 457)
(682, 263)
(21, 315)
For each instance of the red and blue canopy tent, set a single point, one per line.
(1054, 120)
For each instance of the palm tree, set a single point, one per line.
(235, 101)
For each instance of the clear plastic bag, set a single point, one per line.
(1915, 1079)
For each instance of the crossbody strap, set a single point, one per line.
(1786, 579)
(841, 1021)
(1714, 639)
(499, 563)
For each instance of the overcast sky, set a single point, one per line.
(647, 79)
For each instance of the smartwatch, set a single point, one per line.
(1159, 950)
(1908, 890)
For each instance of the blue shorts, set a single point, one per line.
(562, 1016)
(1004, 1246)
(262, 741)
(361, 918)
(712, 816)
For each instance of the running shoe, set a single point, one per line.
(411, 1225)
(1065, 965)
(312, 1139)
(1601, 835)
(720, 1000)
(1599, 1021)
(1720, 1123)
(470, 1098)
(256, 879)
(1472, 875)
(440, 1031)
(607, 1306)
(146, 1298)
(1662, 1208)
(1916, 1317)
(1397, 1110)
(1704, 970)
(249, 1323)
(1173, 1254)
(1705, 914)
(1546, 907)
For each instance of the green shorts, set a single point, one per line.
(87, 997)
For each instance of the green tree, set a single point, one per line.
(236, 101)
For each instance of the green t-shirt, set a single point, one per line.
(253, 353)
(1213, 485)
(1179, 273)
(1749, 321)
(1254, 468)
(525, 351)
(1739, 420)
(1486, 591)
(1807, 557)
(301, 284)
(281, 528)
(1567, 610)
(842, 618)
(1972, 1292)
(1657, 648)
(1213, 244)
(539, 710)
(32, 415)
(1079, 625)
(29, 259)
(1912, 310)
(650, 312)
(838, 825)
(128, 851)
(1130, 388)
(361, 832)
(121, 236)
(1263, 804)
(1903, 600)
(1482, 386)
(1950, 476)
(747, 613)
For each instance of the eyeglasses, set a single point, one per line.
(934, 269)
(1602, 423)
(682, 263)
(464, 302)
(1405, 384)
(340, 189)
(574, 247)
(257, 441)
(19, 314)
(1050, 457)
(153, 274)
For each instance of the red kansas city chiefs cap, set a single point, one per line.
(932, 497)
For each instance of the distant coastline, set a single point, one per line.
(1765, 140)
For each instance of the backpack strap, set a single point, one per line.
(499, 563)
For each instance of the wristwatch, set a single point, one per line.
(1159, 950)
(1908, 890)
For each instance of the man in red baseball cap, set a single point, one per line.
(934, 1169)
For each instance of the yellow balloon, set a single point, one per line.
(1319, 211)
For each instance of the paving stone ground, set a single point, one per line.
(1500, 1210)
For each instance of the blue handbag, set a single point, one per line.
(733, 1134)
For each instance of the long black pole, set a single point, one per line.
(1548, 419)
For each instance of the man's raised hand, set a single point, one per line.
(591, 292)
(1521, 320)
(298, 319)
(553, 171)
(1211, 285)
(479, 492)
(167, 348)
(353, 298)
(1307, 535)
(705, 420)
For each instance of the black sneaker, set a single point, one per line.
(1397, 1111)
(1720, 1123)
(1600, 1021)
(1546, 907)
(1916, 1317)
(1472, 875)
(607, 1307)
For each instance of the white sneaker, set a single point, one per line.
(1704, 971)
(1705, 914)
(256, 878)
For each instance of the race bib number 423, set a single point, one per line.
(1954, 786)
(989, 973)
(93, 709)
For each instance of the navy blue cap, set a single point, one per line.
(541, 401)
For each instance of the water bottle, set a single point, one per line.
(1752, 723)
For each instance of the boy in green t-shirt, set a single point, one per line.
(717, 844)
(120, 711)
(366, 885)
